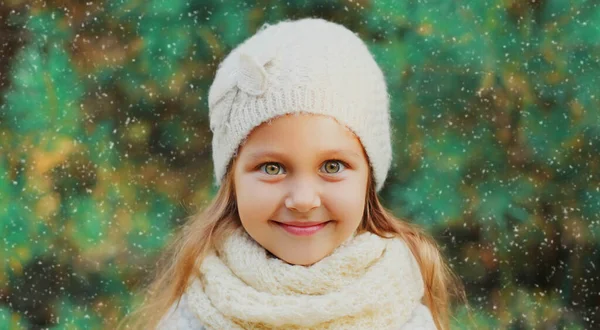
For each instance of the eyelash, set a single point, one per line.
(330, 160)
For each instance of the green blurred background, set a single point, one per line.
(105, 146)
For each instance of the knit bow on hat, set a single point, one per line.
(251, 77)
(244, 69)
(248, 76)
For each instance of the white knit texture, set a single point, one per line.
(310, 66)
(181, 317)
(366, 283)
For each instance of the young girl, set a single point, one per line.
(296, 237)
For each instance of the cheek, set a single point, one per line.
(347, 203)
(255, 202)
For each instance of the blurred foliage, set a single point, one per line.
(105, 146)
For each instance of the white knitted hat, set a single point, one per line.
(308, 65)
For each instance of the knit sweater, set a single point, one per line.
(368, 282)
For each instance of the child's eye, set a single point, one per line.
(336, 163)
(272, 168)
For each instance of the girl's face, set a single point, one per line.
(303, 169)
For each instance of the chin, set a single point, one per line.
(301, 260)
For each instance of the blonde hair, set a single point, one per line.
(220, 218)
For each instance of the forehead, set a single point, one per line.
(300, 132)
(302, 138)
(299, 124)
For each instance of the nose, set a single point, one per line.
(303, 196)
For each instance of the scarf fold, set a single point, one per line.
(368, 282)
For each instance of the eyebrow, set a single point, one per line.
(274, 154)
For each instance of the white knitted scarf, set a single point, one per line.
(368, 282)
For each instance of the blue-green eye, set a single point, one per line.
(332, 166)
(335, 168)
(270, 166)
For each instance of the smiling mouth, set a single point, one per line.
(302, 229)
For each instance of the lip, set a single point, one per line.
(299, 228)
